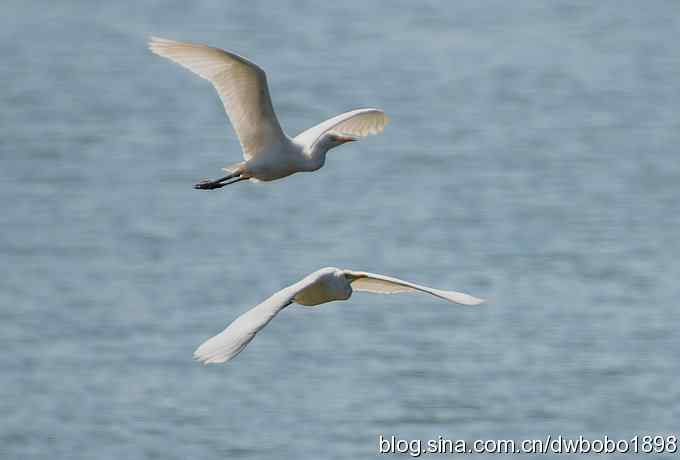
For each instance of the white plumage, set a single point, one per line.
(321, 286)
(268, 152)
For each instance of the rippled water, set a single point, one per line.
(532, 160)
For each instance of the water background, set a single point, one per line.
(532, 159)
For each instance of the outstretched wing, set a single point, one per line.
(241, 85)
(360, 122)
(381, 284)
(232, 340)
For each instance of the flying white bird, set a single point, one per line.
(268, 152)
(321, 286)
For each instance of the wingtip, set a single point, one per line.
(463, 299)
(156, 44)
(207, 356)
(156, 38)
(202, 359)
(153, 42)
(471, 300)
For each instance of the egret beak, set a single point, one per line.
(343, 139)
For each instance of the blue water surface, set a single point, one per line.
(532, 159)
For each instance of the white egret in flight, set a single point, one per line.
(321, 286)
(268, 152)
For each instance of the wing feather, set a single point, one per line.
(360, 123)
(241, 85)
(234, 338)
(381, 284)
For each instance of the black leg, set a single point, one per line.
(208, 184)
(214, 184)
(227, 177)
(239, 179)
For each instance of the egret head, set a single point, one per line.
(323, 144)
(341, 139)
(331, 140)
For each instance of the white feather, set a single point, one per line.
(234, 338)
(360, 123)
(241, 85)
(381, 284)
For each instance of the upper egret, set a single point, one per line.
(268, 152)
